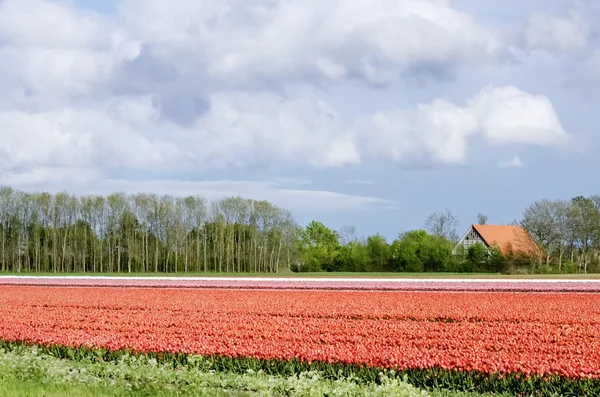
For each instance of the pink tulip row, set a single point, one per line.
(346, 284)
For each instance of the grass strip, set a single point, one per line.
(434, 380)
(38, 388)
(38, 371)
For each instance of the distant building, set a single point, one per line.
(505, 237)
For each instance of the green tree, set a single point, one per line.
(417, 251)
(319, 247)
(497, 263)
(144, 232)
(436, 254)
(378, 251)
(477, 258)
(482, 259)
(405, 249)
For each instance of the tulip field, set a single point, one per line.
(546, 330)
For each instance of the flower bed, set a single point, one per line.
(535, 333)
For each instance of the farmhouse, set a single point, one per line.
(506, 237)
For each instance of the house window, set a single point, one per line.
(471, 239)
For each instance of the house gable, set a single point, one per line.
(469, 239)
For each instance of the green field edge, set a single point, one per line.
(332, 275)
(431, 379)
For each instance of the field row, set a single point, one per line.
(541, 333)
(348, 284)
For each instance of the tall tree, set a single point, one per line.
(442, 224)
(347, 234)
(541, 220)
(378, 250)
(481, 218)
(585, 218)
(564, 231)
(319, 247)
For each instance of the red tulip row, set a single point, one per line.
(531, 333)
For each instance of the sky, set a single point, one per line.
(371, 113)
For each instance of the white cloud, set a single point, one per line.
(514, 162)
(295, 39)
(244, 129)
(87, 95)
(241, 129)
(361, 182)
(439, 132)
(432, 133)
(50, 24)
(556, 34)
(284, 195)
(290, 181)
(52, 51)
(65, 176)
(588, 77)
(129, 133)
(29, 140)
(509, 115)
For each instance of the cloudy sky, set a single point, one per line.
(371, 113)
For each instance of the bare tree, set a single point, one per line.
(540, 220)
(584, 218)
(481, 218)
(347, 234)
(563, 233)
(442, 224)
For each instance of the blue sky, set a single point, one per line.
(370, 113)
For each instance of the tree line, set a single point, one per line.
(567, 231)
(420, 251)
(43, 232)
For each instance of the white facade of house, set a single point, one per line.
(470, 238)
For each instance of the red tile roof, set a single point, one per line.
(507, 236)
